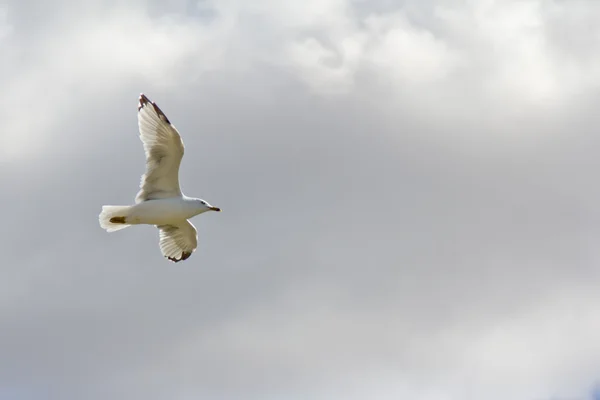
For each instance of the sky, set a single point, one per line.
(409, 193)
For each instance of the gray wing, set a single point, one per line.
(164, 150)
(178, 241)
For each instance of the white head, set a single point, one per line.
(203, 206)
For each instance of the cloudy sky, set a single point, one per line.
(410, 195)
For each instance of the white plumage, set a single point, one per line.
(164, 150)
(179, 239)
(160, 201)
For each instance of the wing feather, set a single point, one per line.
(178, 241)
(164, 150)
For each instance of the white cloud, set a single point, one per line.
(542, 350)
(405, 54)
(95, 56)
(5, 27)
(326, 71)
(446, 255)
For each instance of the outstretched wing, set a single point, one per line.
(164, 149)
(178, 241)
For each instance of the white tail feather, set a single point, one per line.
(109, 212)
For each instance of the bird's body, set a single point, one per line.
(160, 201)
(161, 211)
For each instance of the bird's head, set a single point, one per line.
(203, 206)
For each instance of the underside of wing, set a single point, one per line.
(164, 150)
(178, 241)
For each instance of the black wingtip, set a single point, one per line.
(143, 101)
(184, 256)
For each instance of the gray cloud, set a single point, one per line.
(409, 195)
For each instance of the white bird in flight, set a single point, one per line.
(160, 201)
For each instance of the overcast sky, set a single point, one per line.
(410, 193)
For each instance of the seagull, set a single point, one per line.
(160, 201)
